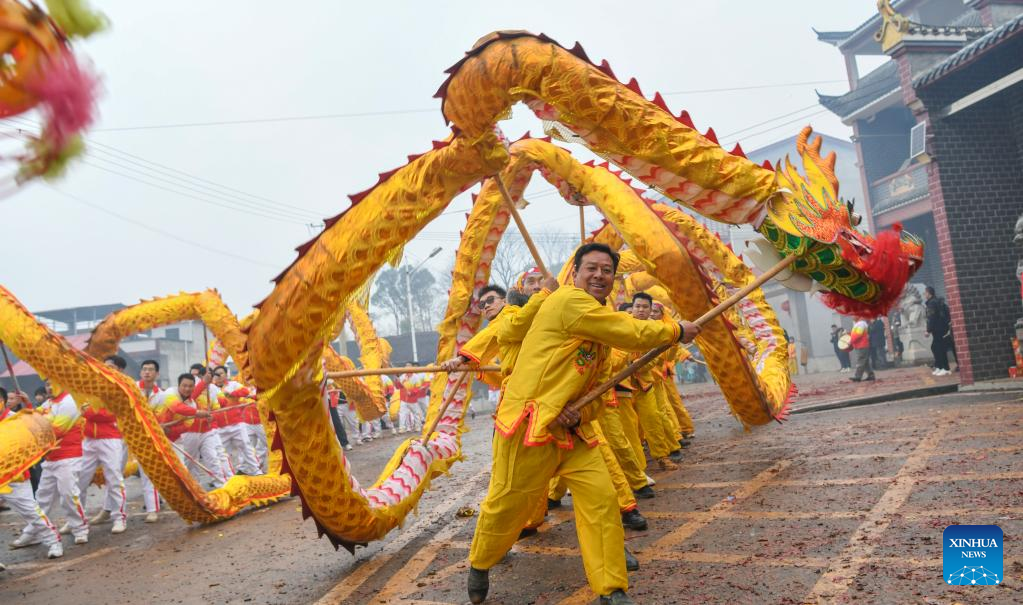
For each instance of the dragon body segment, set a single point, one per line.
(585, 103)
(94, 383)
(282, 349)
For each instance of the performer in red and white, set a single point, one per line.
(193, 432)
(230, 423)
(148, 375)
(58, 485)
(18, 495)
(410, 389)
(102, 446)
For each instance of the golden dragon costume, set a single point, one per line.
(283, 345)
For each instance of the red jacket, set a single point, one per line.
(100, 424)
(67, 425)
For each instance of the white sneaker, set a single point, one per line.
(56, 551)
(650, 481)
(65, 529)
(943, 373)
(81, 539)
(102, 517)
(24, 540)
(394, 431)
(348, 447)
(152, 518)
(119, 527)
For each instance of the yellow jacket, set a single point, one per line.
(512, 332)
(482, 347)
(569, 347)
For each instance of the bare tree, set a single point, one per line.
(555, 247)
(389, 293)
(511, 258)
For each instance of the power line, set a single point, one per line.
(328, 116)
(194, 197)
(94, 143)
(196, 183)
(393, 112)
(173, 236)
(753, 87)
(223, 201)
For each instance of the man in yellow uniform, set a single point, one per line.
(539, 436)
(621, 427)
(660, 433)
(510, 315)
(675, 355)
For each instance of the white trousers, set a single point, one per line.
(108, 455)
(149, 494)
(350, 420)
(58, 494)
(410, 416)
(37, 524)
(208, 450)
(257, 435)
(235, 438)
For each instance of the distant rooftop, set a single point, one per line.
(970, 52)
(871, 87)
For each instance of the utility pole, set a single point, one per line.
(408, 300)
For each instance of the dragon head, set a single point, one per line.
(864, 275)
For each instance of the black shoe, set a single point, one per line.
(528, 531)
(644, 493)
(631, 562)
(676, 456)
(617, 597)
(634, 520)
(479, 585)
(870, 378)
(553, 503)
(684, 443)
(855, 379)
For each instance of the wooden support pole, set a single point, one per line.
(410, 369)
(582, 223)
(703, 319)
(444, 406)
(522, 227)
(10, 367)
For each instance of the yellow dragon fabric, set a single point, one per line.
(281, 349)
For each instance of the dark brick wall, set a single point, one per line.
(885, 142)
(979, 156)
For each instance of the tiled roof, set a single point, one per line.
(871, 87)
(969, 52)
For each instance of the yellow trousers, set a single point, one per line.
(612, 421)
(663, 404)
(630, 426)
(623, 488)
(520, 476)
(685, 421)
(655, 425)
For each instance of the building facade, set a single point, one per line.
(938, 129)
(175, 347)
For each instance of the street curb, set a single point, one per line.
(941, 389)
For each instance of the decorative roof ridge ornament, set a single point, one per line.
(893, 25)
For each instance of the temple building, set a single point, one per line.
(938, 130)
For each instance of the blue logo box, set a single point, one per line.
(972, 555)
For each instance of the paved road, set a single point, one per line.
(838, 506)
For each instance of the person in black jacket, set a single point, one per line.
(878, 344)
(939, 328)
(843, 356)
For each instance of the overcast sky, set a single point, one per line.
(165, 64)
